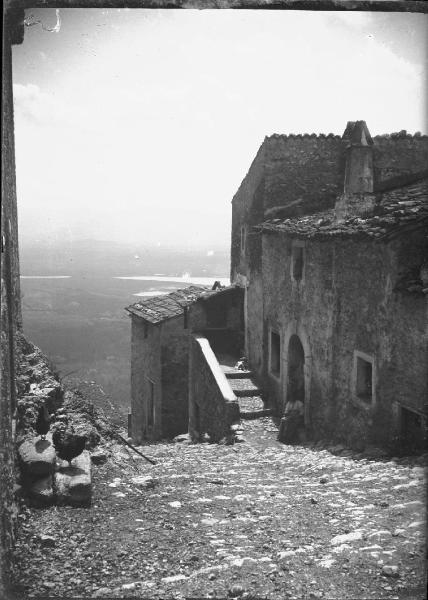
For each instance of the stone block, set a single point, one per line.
(99, 457)
(144, 481)
(41, 492)
(37, 458)
(73, 484)
(182, 437)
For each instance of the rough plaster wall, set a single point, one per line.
(387, 324)
(345, 303)
(175, 387)
(304, 308)
(254, 333)
(145, 362)
(398, 156)
(247, 208)
(197, 317)
(304, 167)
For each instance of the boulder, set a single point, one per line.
(73, 484)
(37, 457)
(144, 481)
(390, 571)
(182, 437)
(41, 492)
(47, 541)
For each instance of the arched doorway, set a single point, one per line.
(296, 370)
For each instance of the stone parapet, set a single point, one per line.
(213, 407)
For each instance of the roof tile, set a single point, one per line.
(393, 210)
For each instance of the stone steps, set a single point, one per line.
(252, 407)
(237, 374)
(244, 386)
(249, 394)
(255, 414)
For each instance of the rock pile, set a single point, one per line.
(43, 476)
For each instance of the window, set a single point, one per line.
(275, 353)
(243, 238)
(364, 377)
(298, 262)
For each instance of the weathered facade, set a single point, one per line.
(329, 315)
(162, 341)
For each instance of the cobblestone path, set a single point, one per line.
(257, 519)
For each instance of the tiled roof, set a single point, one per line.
(395, 211)
(160, 308)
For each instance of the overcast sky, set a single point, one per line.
(139, 125)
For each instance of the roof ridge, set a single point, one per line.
(304, 135)
(403, 134)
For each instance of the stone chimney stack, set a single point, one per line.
(357, 198)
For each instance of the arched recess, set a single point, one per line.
(297, 364)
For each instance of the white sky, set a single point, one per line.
(139, 125)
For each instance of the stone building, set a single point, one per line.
(163, 337)
(329, 239)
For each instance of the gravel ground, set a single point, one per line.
(256, 519)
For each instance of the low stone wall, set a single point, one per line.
(213, 407)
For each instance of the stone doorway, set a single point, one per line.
(296, 370)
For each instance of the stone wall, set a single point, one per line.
(213, 407)
(247, 210)
(174, 373)
(383, 323)
(345, 302)
(305, 173)
(306, 168)
(399, 154)
(10, 300)
(302, 308)
(145, 368)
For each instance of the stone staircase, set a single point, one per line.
(250, 396)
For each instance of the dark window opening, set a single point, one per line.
(275, 353)
(296, 365)
(364, 379)
(297, 263)
(151, 405)
(412, 431)
(243, 236)
(196, 414)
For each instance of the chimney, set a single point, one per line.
(357, 198)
